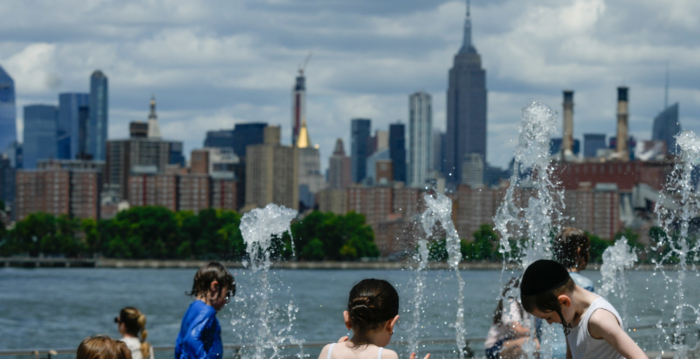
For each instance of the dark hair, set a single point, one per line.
(135, 322)
(210, 272)
(549, 302)
(372, 302)
(566, 248)
(102, 347)
(498, 313)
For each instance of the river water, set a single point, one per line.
(57, 308)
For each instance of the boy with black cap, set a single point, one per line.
(548, 292)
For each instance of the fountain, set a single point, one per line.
(531, 180)
(526, 216)
(258, 228)
(616, 259)
(421, 257)
(677, 206)
(440, 209)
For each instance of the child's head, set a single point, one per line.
(131, 321)
(545, 292)
(507, 295)
(373, 305)
(214, 282)
(571, 248)
(102, 347)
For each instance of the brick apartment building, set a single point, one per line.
(57, 190)
(183, 192)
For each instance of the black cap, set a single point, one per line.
(543, 276)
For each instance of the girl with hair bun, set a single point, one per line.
(372, 313)
(132, 324)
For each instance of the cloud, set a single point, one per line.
(216, 63)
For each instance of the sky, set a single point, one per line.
(212, 64)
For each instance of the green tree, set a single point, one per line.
(142, 232)
(314, 250)
(598, 246)
(483, 246)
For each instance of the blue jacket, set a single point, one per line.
(200, 334)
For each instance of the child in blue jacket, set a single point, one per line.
(200, 332)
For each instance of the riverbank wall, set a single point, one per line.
(25, 262)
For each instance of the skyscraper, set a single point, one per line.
(360, 130)
(298, 105)
(592, 142)
(420, 138)
(246, 134)
(339, 173)
(311, 180)
(39, 134)
(99, 117)
(397, 151)
(466, 107)
(68, 126)
(666, 126)
(219, 139)
(438, 161)
(272, 173)
(8, 130)
(153, 127)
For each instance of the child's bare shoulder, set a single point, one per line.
(389, 354)
(602, 322)
(324, 351)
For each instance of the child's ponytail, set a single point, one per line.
(135, 324)
(145, 346)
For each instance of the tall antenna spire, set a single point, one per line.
(666, 89)
(467, 39)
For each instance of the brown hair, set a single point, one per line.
(135, 322)
(498, 313)
(102, 347)
(372, 302)
(210, 272)
(549, 302)
(572, 248)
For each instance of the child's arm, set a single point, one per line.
(193, 339)
(603, 324)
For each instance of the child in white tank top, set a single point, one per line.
(373, 310)
(592, 326)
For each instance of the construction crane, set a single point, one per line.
(306, 62)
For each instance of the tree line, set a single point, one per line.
(158, 233)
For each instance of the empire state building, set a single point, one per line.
(466, 109)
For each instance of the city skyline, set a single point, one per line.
(203, 84)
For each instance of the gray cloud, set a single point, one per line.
(213, 64)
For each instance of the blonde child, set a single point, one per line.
(592, 326)
(372, 313)
(132, 324)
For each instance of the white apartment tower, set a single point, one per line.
(420, 138)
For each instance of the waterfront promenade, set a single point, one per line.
(31, 262)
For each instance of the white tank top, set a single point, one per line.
(330, 350)
(583, 345)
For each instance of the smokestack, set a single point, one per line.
(622, 126)
(567, 143)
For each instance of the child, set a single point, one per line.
(373, 310)
(131, 322)
(592, 326)
(102, 347)
(572, 249)
(200, 332)
(507, 334)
